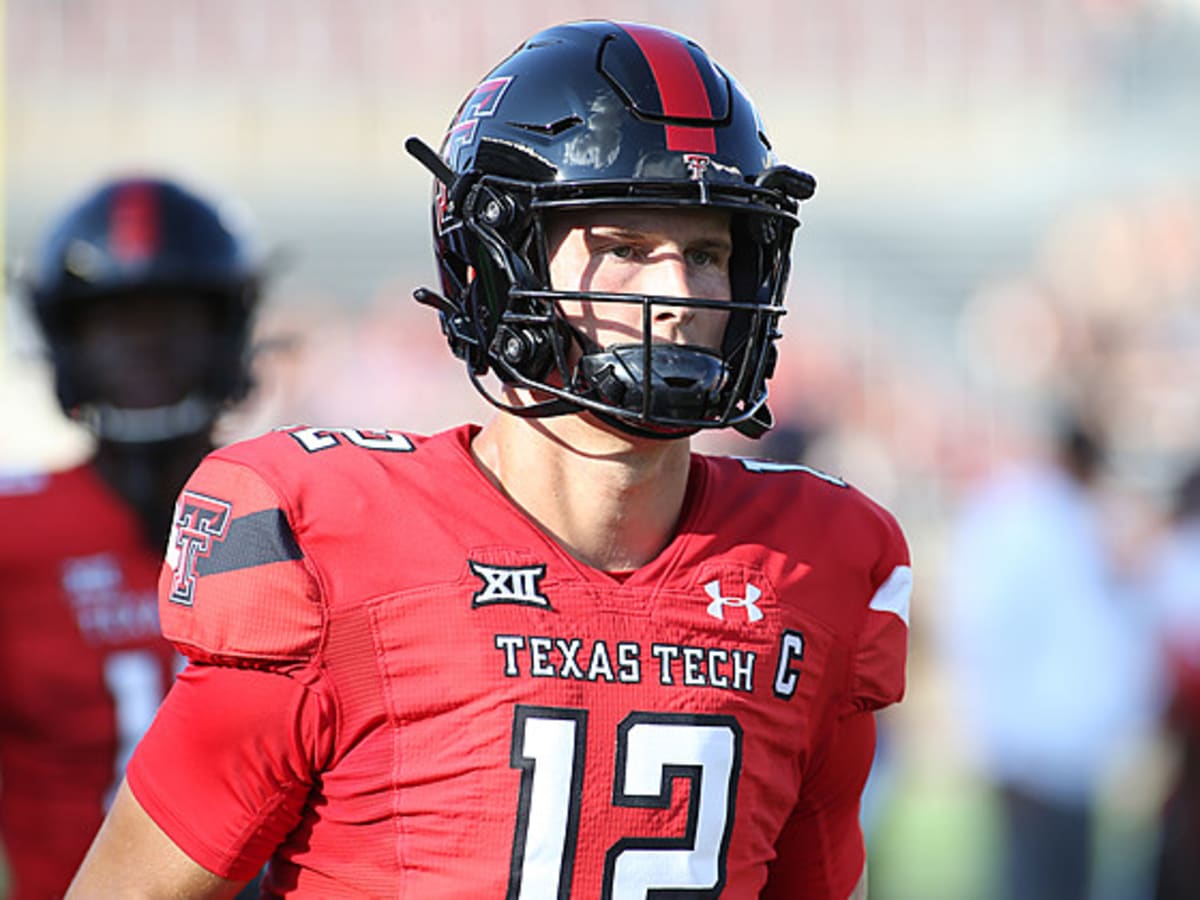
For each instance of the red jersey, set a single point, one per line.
(402, 687)
(83, 666)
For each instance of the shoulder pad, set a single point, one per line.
(236, 583)
(882, 650)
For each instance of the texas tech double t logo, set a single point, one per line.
(199, 522)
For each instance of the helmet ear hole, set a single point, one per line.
(528, 349)
(493, 208)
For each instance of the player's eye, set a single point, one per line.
(621, 251)
(700, 258)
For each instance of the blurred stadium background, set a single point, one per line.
(1007, 222)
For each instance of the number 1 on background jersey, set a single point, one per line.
(134, 678)
(653, 750)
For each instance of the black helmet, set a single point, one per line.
(601, 114)
(131, 236)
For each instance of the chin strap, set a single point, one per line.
(152, 425)
(664, 383)
(757, 425)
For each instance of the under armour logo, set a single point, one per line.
(716, 609)
(508, 584)
(199, 522)
(697, 165)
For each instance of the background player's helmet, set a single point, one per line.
(601, 114)
(146, 236)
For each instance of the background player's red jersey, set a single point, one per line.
(82, 666)
(410, 690)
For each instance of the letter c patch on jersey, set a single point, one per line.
(200, 522)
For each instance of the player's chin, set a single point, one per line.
(638, 430)
(663, 432)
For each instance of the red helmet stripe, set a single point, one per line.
(134, 223)
(680, 87)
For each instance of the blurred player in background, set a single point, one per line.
(1052, 657)
(144, 294)
(558, 656)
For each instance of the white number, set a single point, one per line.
(653, 750)
(134, 679)
(548, 746)
(767, 465)
(315, 439)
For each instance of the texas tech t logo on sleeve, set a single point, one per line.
(199, 522)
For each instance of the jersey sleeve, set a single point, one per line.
(227, 765)
(820, 853)
(236, 585)
(881, 652)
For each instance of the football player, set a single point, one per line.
(144, 295)
(559, 655)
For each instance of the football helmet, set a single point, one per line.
(133, 237)
(594, 114)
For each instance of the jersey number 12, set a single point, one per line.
(653, 750)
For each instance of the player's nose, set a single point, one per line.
(669, 277)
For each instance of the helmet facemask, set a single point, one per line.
(513, 323)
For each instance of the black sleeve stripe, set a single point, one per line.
(254, 540)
